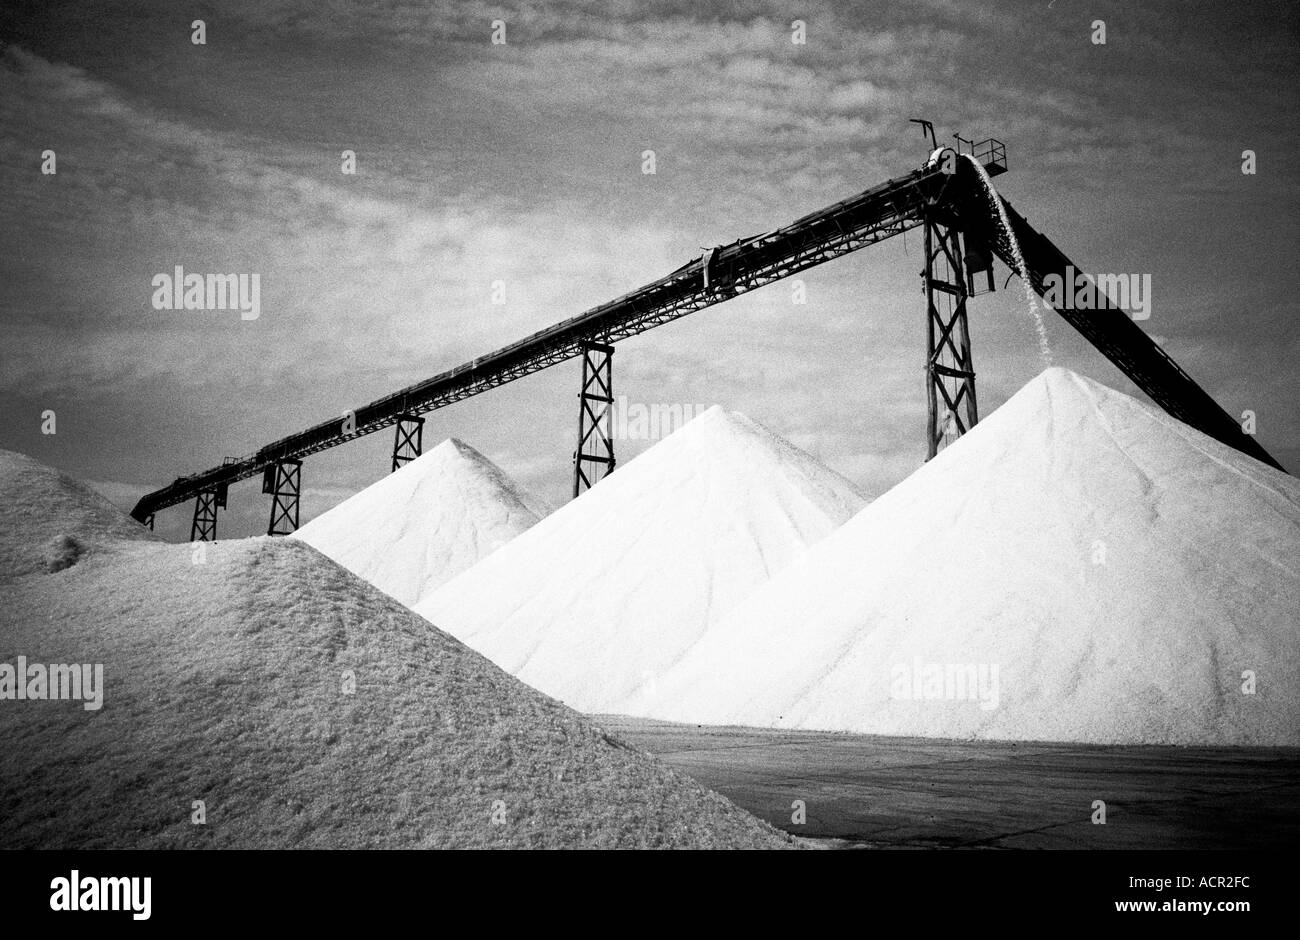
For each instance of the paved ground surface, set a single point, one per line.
(916, 792)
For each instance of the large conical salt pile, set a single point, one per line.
(1079, 567)
(254, 694)
(417, 528)
(611, 589)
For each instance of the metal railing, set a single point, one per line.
(990, 152)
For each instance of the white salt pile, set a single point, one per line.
(256, 695)
(58, 518)
(612, 588)
(419, 527)
(1079, 567)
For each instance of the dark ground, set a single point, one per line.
(913, 792)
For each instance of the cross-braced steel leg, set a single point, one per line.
(204, 526)
(283, 481)
(949, 369)
(409, 439)
(595, 418)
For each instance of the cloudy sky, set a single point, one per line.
(521, 163)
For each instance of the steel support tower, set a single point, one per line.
(283, 481)
(595, 418)
(408, 441)
(949, 369)
(206, 504)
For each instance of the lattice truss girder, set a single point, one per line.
(872, 217)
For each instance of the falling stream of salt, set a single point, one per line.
(1021, 268)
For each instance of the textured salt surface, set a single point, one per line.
(303, 707)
